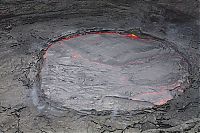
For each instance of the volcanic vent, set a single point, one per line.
(111, 71)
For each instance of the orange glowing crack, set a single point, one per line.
(163, 100)
(132, 36)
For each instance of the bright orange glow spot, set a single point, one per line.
(132, 36)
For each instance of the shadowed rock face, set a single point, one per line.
(111, 72)
(26, 12)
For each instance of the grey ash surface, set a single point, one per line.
(28, 25)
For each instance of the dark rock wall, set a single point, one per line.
(34, 10)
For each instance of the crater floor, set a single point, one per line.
(111, 72)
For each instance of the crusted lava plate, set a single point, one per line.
(111, 71)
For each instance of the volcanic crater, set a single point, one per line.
(110, 70)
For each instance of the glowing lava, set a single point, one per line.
(110, 71)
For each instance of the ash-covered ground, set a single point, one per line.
(29, 27)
